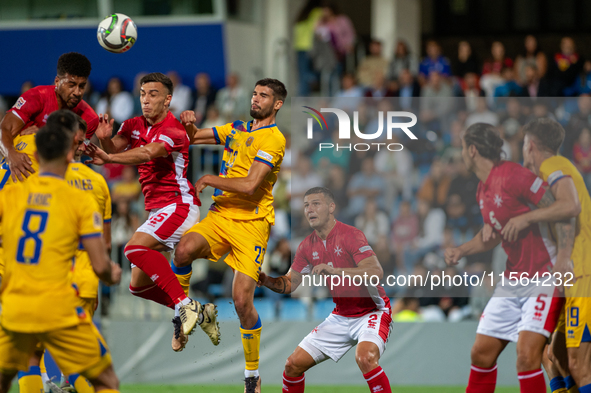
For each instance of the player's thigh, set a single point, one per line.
(15, 350)
(541, 312)
(107, 379)
(78, 349)
(165, 226)
(299, 362)
(486, 350)
(578, 313)
(329, 340)
(248, 252)
(374, 327)
(207, 239)
(500, 318)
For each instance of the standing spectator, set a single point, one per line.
(405, 229)
(212, 118)
(491, 69)
(531, 56)
(303, 42)
(433, 62)
(181, 95)
(343, 32)
(582, 155)
(365, 185)
(373, 222)
(403, 60)
(466, 62)
(232, 98)
(116, 102)
(374, 63)
(204, 97)
(566, 66)
(435, 185)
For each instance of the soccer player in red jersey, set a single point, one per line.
(158, 144)
(525, 313)
(35, 105)
(362, 313)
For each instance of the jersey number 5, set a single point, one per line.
(31, 234)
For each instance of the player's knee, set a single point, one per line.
(481, 358)
(242, 304)
(183, 254)
(528, 360)
(292, 369)
(574, 367)
(366, 362)
(106, 380)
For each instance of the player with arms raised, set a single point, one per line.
(240, 219)
(362, 313)
(526, 314)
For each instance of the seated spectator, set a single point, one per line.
(582, 84)
(405, 229)
(509, 87)
(233, 100)
(435, 186)
(374, 63)
(373, 223)
(302, 179)
(123, 226)
(403, 60)
(407, 311)
(433, 62)
(531, 56)
(491, 70)
(396, 170)
(482, 114)
(533, 85)
(511, 123)
(116, 102)
(350, 95)
(378, 89)
(128, 189)
(212, 118)
(431, 229)
(582, 155)
(322, 159)
(205, 95)
(576, 123)
(365, 185)
(181, 95)
(466, 61)
(463, 211)
(435, 103)
(565, 67)
(91, 96)
(471, 90)
(408, 88)
(337, 183)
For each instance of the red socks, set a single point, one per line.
(482, 380)
(532, 381)
(157, 267)
(293, 385)
(378, 381)
(152, 292)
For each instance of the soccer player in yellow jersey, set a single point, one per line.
(241, 215)
(543, 138)
(45, 229)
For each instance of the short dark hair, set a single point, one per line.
(157, 77)
(321, 190)
(64, 118)
(82, 124)
(53, 142)
(279, 90)
(548, 133)
(486, 139)
(74, 64)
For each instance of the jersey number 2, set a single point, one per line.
(31, 234)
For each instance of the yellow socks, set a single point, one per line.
(251, 341)
(81, 384)
(30, 381)
(183, 274)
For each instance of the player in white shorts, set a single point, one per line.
(522, 308)
(158, 143)
(362, 315)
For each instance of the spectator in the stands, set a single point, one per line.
(431, 229)
(378, 89)
(433, 62)
(350, 95)
(137, 105)
(374, 223)
(482, 114)
(466, 61)
(365, 185)
(403, 60)
(582, 155)
(509, 87)
(435, 102)
(212, 118)
(582, 84)
(337, 183)
(435, 185)
(471, 90)
(405, 229)
(374, 63)
(302, 179)
(26, 86)
(565, 67)
(181, 95)
(408, 88)
(233, 100)
(463, 211)
(116, 102)
(578, 121)
(533, 56)
(396, 170)
(303, 41)
(205, 95)
(533, 85)
(128, 188)
(491, 69)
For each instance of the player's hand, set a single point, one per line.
(188, 118)
(452, 256)
(105, 127)
(324, 269)
(262, 280)
(115, 273)
(565, 270)
(488, 233)
(200, 185)
(98, 156)
(30, 130)
(513, 227)
(20, 166)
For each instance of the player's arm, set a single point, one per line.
(560, 202)
(136, 156)
(108, 271)
(107, 236)
(565, 241)
(203, 136)
(284, 284)
(19, 163)
(104, 131)
(474, 246)
(244, 185)
(368, 267)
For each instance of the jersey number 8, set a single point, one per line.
(31, 234)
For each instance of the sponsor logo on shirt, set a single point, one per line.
(365, 248)
(135, 134)
(315, 255)
(536, 185)
(19, 103)
(555, 176)
(264, 155)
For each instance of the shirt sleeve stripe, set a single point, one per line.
(107, 221)
(89, 235)
(263, 161)
(13, 111)
(216, 136)
(558, 178)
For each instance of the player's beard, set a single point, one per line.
(260, 114)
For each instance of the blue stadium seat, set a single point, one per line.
(322, 308)
(266, 308)
(293, 310)
(226, 310)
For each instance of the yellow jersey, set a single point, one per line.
(43, 220)
(85, 179)
(243, 147)
(552, 170)
(22, 144)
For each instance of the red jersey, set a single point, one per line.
(345, 247)
(509, 191)
(164, 179)
(36, 104)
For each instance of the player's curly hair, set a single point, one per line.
(279, 90)
(74, 64)
(548, 133)
(53, 142)
(486, 139)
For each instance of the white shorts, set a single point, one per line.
(169, 223)
(515, 309)
(337, 334)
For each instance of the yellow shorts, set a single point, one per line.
(77, 349)
(1, 261)
(83, 276)
(577, 315)
(245, 240)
